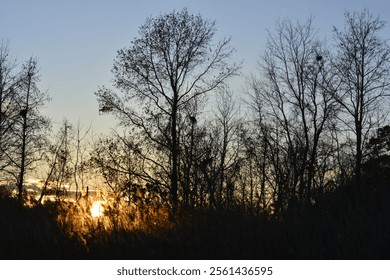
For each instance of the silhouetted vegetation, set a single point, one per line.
(33, 233)
(337, 227)
(303, 174)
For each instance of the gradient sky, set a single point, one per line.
(75, 41)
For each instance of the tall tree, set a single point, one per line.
(172, 62)
(362, 65)
(31, 127)
(227, 126)
(8, 81)
(293, 101)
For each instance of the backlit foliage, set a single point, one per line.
(117, 215)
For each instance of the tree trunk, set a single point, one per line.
(23, 114)
(174, 158)
(359, 155)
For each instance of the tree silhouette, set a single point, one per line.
(172, 62)
(8, 94)
(294, 107)
(362, 65)
(29, 132)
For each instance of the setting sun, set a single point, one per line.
(97, 209)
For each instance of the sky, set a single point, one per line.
(76, 41)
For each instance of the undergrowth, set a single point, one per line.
(336, 227)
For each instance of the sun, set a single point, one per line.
(97, 209)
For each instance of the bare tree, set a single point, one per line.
(30, 131)
(80, 161)
(172, 62)
(227, 126)
(58, 158)
(8, 111)
(362, 65)
(293, 101)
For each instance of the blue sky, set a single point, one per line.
(75, 41)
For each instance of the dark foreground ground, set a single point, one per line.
(338, 227)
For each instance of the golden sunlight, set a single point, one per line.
(97, 209)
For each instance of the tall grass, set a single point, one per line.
(336, 227)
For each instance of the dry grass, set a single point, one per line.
(338, 227)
